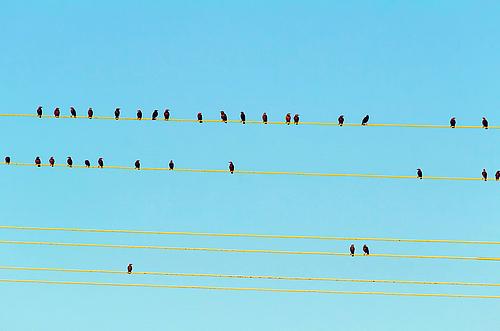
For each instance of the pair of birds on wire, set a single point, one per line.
(453, 123)
(484, 174)
(352, 250)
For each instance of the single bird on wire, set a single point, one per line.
(242, 117)
(100, 162)
(171, 165)
(154, 116)
(52, 161)
(352, 249)
(341, 120)
(87, 163)
(296, 119)
(264, 118)
(365, 120)
(223, 116)
(366, 250)
(129, 268)
(137, 164)
(117, 113)
(497, 175)
(38, 162)
(39, 111)
(69, 161)
(231, 167)
(57, 112)
(7, 159)
(288, 118)
(485, 123)
(484, 174)
(90, 113)
(419, 173)
(139, 114)
(200, 117)
(453, 122)
(72, 111)
(166, 114)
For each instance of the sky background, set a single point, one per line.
(399, 61)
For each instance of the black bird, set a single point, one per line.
(87, 163)
(129, 268)
(90, 112)
(52, 161)
(243, 117)
(139, 114)
(100, 162)
(296, 119)
(497, 174)
(7, 159)
(137, 164)
(171, 165)
(264, 118)
(366, 250)
(57, 112)
(485, 174)
(223, 116)
(419, 173)
(485, 123)
(38, 162)
(72, 111)
(69, 161)
(39, 111)
(166, 114)
(352, 249)
(200, 118)
(341, 120)
(117, 113)
(453, 122)
(288, 118)
(155, 115)
(365, 120)
(231, 167)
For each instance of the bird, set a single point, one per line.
(137, 164)
(38, 162)
(366, 250)
(341, 120)
(485, 123)
(90, 112)
(296, 119)
(264, 118)
(223, 116)
(7, 159)
(87, 163)
(497, 174)
(485, 174)
(352, 249)
(39, 111)
(155, 115)
(117, 113)
(72, 111)
(52, 161)
(129, 268)
(171, 165)
(166, 114)
(288, 118)
(200, 118)
(231, 167)
(453, 122)
(69, 161)
(100, 162)
(57, 112)
(139, 114)
(365, 120)
(243, 117)
(419, 173)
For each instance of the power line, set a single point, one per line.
(248, 235)
(256, 289)
(268, 277)
(318, 123)
(235, 250)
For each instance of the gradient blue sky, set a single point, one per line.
(410, 62)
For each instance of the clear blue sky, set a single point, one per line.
(410, 62)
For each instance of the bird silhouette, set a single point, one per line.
(90, 112)
(288, 118)
(38, 162)
(485, 123)
(352, 249)
(264, 118)
(341, 120)
(57, 112)
(100, 162)
(39, 111)
(296, 119)
(69, 161)
(485, 174)
(231, 167)
(139, 114)
(419, 173)
(52, 161)
(117, 113)
(72, 111)
(200, 117)
(166, 114)
(87, 163)
(154, 115)
(171, 165)
(137, 165)
(7, 159)
(366, 250)
(453, 122)
(497, 174)
(242, 117)
(129, 268)
(223, 116)
(365, 120)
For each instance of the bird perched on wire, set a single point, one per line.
(171, 165)
(154, 116)
(231, 167)
(117, 113)
(365, 120)
(52, 161)
(223, 116)
(129, 268)
(57, 112)
(200, 117)
(87, 163)
(166, 114)
(366, 250)
(296, 119)
(453, 122)
(264, 118)
(137, 164)
(38, 162)
(7, 159)
(139, 114)
(39, 112)
(419, 173)
(497, 174)
(72, 111)
(100, 162)
(341, 120)
(69, 161)
(485, 174)
(90, 113)
(288, 118)
(242, 117)
(352, 249)
(485, 123)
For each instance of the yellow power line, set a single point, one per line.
(257, 289)
(236, 250)
(247, 235)
(268, 277)
(254, 172)
(185, 120)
